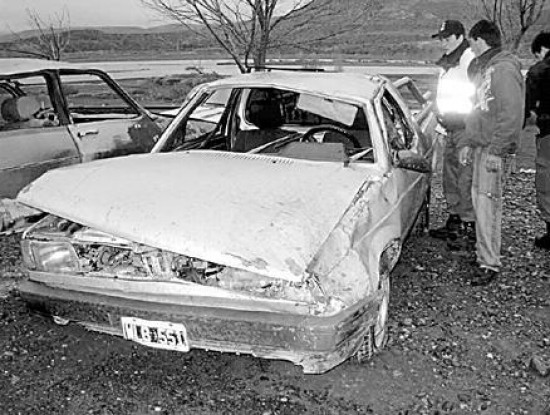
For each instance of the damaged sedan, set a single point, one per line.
(266, 221)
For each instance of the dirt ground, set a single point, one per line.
(454, 348)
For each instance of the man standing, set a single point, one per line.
(492, 132)
(454, 102)
(538, 100)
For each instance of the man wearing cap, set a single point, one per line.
(454, 103)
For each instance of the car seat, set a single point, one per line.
(18, 112)
(265, 114)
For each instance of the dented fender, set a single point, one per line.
(348, 263)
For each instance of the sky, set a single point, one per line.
(13, 16)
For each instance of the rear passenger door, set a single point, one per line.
(33, 145)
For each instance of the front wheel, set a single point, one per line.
(376, 337)
(422, 223)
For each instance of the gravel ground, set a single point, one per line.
(454, 348)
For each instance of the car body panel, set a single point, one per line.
(348, 86)
(349, 260)
(245, 211)
(44, 150)
(315, 343)
(113, 138)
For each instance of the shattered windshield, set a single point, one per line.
(273, 121)
(336, 111)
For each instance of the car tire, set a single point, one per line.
(376, 337)
(422, 223)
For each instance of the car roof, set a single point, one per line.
(14, 66)
(348, 85)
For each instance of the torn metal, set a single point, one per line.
(16, 217)
(98, 255)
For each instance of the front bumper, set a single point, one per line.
(316, 343)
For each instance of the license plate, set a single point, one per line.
(158, 334)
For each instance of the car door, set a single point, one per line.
(103, 119)
(405, 189)
(32, 141)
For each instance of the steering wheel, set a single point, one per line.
(345, 137)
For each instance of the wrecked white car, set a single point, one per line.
(266, 221)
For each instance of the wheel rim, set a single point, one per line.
(381, 325)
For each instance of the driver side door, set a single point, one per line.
(406, 189)
(103, 121)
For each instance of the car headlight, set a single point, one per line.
(49, 256)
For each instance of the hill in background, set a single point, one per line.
(401, 30)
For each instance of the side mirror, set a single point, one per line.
(414, 162)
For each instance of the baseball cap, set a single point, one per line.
(450, 27)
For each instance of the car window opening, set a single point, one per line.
(400, 135)
(26, 105)
(265, 120)
(90, 99)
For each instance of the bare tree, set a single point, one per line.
(513, 17)
(248, 29)
(51, 36)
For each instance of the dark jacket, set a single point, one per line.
(537, 94)
(497, 118)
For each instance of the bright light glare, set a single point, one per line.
(455, 96)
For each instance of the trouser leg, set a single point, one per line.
(465, 207)
(450, 176)
(457, 180)
(542, 177)
(487, 192)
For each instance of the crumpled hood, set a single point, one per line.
(263, 214)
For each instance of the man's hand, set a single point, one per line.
(493, 163)
(532, 119)
(465, 156)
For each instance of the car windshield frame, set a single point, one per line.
(337, 105)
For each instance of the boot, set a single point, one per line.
(466, 240)
(483, 277)
(449, 230)
(544, 241)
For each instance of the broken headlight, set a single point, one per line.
(49, 256)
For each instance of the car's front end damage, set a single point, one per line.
(163, 284)
(84, 276)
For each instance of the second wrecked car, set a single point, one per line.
(55, 114)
